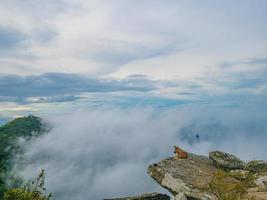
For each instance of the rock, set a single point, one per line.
(254, 194)
(261, 182)
(226, 161)
(197, 178)
(180, 196)
(256, 166)
(185, 178)
(239, 174)
(148, 196)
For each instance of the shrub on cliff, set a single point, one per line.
(32, 191)
(225, 187)
(10, 133)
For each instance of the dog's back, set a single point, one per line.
(181, 154)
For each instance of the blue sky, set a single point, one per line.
(75, 54)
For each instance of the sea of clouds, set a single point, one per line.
(104, 153)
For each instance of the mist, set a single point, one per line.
(104, 153)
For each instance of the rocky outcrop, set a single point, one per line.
(216, 177)
(185, 177)
(149, 196)
(221, 176)
(225, 160)
(257, 166)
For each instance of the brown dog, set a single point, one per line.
(181, 154)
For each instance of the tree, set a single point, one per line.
(32, 191)
(23, 127)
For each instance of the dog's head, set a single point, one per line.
(175, 149)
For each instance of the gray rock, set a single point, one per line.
(185, 178)
(261, 182)
(180, 196)
(191, 179)
(148, 196)
(226, 161)
(256, 166)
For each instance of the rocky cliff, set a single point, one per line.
(219, 176)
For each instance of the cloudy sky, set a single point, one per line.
(61, 54)
(106, 73)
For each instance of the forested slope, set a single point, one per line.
(24, 127)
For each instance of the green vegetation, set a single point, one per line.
(32, 191)
(225, 187)
(257, 166)
(10, 133)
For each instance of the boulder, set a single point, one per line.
(226, 161)
(185, 178)
(261, 182)
(256, 166)
(147, 196)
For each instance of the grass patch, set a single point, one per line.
(225, 187)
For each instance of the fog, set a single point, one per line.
(104, 153)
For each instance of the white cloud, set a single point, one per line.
(162, 39)
(104, 153)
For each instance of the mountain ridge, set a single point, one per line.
(22, 127)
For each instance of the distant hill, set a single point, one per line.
(24, 127)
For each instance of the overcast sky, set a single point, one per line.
(109, 72)
(58, 52)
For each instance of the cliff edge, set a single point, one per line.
(221, 176)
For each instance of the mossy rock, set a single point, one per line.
(256, 166)
(226, 187)
(226, 161)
